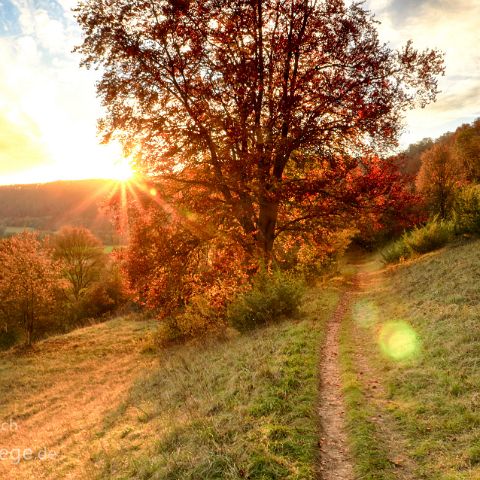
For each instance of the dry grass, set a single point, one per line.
(243, 407)
(58, 395)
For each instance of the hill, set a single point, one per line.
(243, 407)
(398, 397)
(410, 351)
(49, 206)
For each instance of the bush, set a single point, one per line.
(466, 210)
(197, 319)
(395, 252)
(271, 297)
(435, 234)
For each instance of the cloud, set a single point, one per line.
(463, 100)
(451, 27)
(402, 10)
(21, 145)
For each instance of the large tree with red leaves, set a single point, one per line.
(263, 114)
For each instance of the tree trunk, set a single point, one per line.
(29, 332)
(267, 223)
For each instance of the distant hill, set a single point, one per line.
(49, 206)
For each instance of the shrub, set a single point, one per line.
(435, 234)
(466, 210)
(271, 297)
(197, 319)
(395, 252)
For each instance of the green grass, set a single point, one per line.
(434, 395)
(432, 236)
(242, 408)
(371, 458)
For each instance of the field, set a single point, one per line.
(402, 343)
(109, 408)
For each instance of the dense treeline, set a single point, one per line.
(446, 176)
(450, 165)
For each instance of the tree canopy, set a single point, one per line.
(263, 115)
(29, 280)
(81, 256)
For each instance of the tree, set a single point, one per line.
(81, 255)
(28, 282)
(439, 176)
(411, 157)
(467, 148)
(265, 111)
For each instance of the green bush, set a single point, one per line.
(435, 234)
(271, 297)
(466, 210)
(395, 252)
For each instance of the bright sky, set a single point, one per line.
(48, 107)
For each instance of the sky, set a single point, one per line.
(48, 105)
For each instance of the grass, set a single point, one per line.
(111, 408)
(432, 236)
(369, 450)
(59, 393)
(430, 365)
(240, 409)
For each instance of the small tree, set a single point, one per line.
(438, 177)
(28, 282)
(81, 255)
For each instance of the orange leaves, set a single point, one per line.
(29, 279)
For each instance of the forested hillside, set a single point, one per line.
(48, 207)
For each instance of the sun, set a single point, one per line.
(122, 170)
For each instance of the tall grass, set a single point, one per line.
(242, 408)
(435, 397)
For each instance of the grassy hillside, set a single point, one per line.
(412, 350)
(243, 407)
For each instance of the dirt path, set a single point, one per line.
(373, 388)
(335, 461)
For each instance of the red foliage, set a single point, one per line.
(257, 121)
(257, 111)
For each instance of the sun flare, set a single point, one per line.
(122, 170)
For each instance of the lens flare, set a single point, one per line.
(399, 341)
